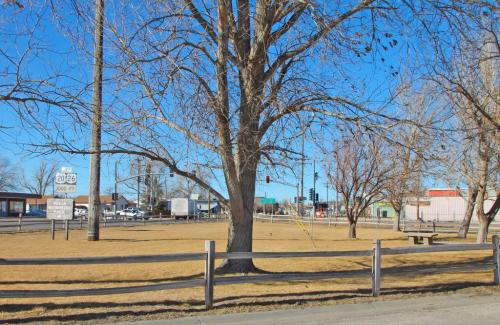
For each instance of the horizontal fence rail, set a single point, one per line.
(209, 280)
(105, 259)
(101, 291)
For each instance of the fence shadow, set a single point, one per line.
(176, 308)
(81, 281)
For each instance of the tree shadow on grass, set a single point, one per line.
(197, 306)
(81, 281)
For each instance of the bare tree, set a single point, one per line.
(8, 176)
(234, 91)
(23, 89)
(411, 151)
(472, 84)
(223, 82)
(41, 179)
(362, 173)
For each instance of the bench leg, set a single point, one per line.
(428, 240)
(412, 240)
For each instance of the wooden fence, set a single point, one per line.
(209, 280)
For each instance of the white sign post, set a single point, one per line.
(60, 209)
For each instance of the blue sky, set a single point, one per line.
(374, 72)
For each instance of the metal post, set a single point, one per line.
(19, 222)
(209, 273)
(496, 259)
(209, 205)
(376, 267)
(52, 228)
(314, 198)
(337, 207)
(116, 188)
(327, 205)
(66, 226)
(301, 211)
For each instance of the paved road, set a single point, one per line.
(9, 225)
(449, 309)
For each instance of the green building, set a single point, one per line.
(382, 209)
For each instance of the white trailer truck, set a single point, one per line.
(183, 208)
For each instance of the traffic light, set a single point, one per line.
(311, 194)
(171, 173)
(317, 197)
(114, 196)
(268, 179)
(316, 176)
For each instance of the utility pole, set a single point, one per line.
(314, 188)
(95, 156)
(337, 207)
(138, 182)
(327, 205)
(301, 210)
(115, 195)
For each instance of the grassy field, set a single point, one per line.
(190, 238)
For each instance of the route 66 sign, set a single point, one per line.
(65, 181)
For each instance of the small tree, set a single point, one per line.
(410, 146)
(42, 178)
(362, 173)
(8, 175)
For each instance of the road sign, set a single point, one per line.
(65, 181)
(267, 200)
(60, 209)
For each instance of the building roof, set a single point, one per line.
(443, 192)
(14, 195)
(105, 199)
(39, 200)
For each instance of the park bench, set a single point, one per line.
(415, 237)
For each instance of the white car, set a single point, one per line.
(81, 212)
(133, 214)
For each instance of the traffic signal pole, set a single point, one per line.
(314, 188)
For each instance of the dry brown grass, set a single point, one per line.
(190, 238)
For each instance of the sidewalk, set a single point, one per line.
(446, 309)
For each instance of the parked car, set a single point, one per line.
(133, 214)
(38, 213)
(109, 215)
(81, 212)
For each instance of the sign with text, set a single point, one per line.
(267, 200)
(60, 209)
(65, 181)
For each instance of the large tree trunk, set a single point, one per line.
(352, 229)
(469, 211)
(482, 217)
(482, 233)
(240, 230)
(398, 207)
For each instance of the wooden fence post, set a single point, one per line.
(66, 228)
(52, 228)
(376, 267)
(496, 259)
(209, 273)
(19, 222)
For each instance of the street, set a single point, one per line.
(10, 225)
(445, 309)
